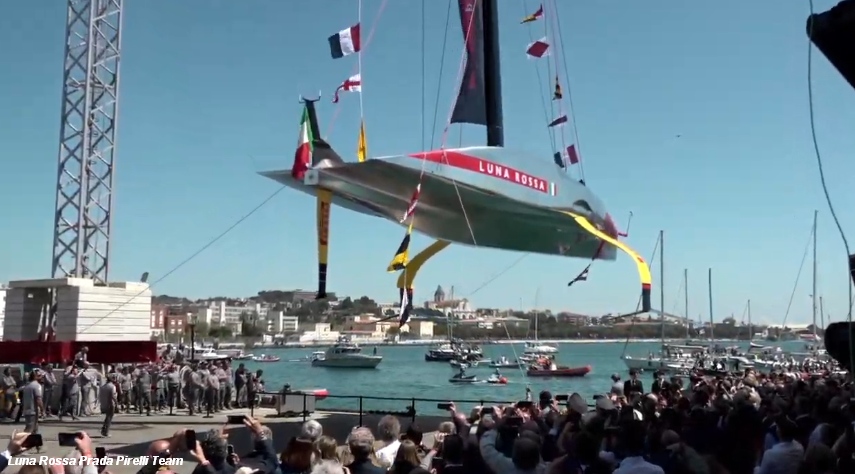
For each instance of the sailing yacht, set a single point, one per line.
(536, 348)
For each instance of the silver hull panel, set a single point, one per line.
(466, 206)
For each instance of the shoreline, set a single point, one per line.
(429, 342)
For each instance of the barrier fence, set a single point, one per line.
(362, 405)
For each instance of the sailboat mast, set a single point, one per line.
(492, 74)
(750, 327)
(821, 314)
(813, 295)
(662, 286)
(712, 324)
(686, 297)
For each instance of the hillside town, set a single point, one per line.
(295, 317)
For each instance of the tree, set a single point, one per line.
(346, 304)
(220, 332)
(249, 324)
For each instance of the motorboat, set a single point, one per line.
(497, 379)
(540, 349)
(209, 353)
(559, 371)
(463, 379)
(464, 363)
(265, 358)
(504, 363)
(345, 354)
(243, 356)
(453, 350)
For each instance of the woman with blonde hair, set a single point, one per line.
(327, 449)
(406, 459)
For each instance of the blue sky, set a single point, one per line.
(209, 97)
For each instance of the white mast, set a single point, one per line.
(813, 296)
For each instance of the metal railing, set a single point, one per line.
(409, 411)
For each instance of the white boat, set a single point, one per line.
(504, 363)
(539, 348)
(209, 353)
(346, 355)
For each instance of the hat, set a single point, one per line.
(576, 403)
(605, 403)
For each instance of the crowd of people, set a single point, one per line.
(173, 382)
(746, 423)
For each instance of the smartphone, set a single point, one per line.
(190, 437)
(524, 404)
(235, 419)
(101, 453)
(67, 440)
(562, 397)
(444, 406)
(33, 441)
(230, 449)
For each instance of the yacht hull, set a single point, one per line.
(364, 362)
(482, 196)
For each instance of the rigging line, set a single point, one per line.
(337, 108)
(444, 138)
(439, 79)
(424, 67)
(553, 16)
(359, 65)
(822, 174)
(550, 132)
(569, 93)
(460, 71)
(498, 275)
(192, 256)
(638, 305)
(798, 276)
(514, 349)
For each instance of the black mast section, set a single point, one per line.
(492, 74)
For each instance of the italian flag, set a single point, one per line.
(303, 155)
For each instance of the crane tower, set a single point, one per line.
(87, 140)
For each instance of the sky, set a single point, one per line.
(691, 115)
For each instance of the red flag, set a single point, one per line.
(572, 156)
(538, 49)
(414, 201)
(303, 155)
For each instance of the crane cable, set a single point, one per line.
(822, 177)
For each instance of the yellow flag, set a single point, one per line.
(362, 145)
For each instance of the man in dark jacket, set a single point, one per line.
(633, 385)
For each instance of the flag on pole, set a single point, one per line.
(559, 121)
(406, 305)
(402, 255)
(303, 155)
(362, 144)
(559, 160)
(414, 201)
(572, 156)
(352, 84)
(538, 49)
(345, 42)
(534, 16)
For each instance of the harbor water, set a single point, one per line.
(405, 374)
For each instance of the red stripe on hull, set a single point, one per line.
(482, 166)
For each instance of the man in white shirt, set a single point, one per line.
(389, 432)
